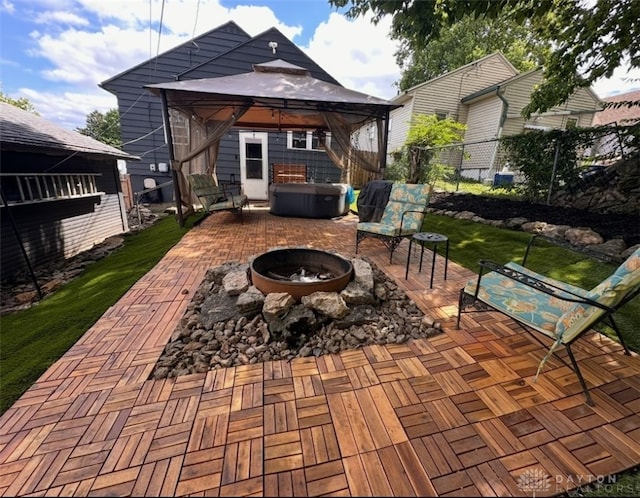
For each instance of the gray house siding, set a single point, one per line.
(141, 112)
(59, 229)
(224, 51)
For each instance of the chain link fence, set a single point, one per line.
(488, 161)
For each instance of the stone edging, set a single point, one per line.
(578, 237)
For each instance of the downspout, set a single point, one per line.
(503, 118)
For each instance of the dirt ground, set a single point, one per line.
(607, 225)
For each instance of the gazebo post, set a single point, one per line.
(172, 158)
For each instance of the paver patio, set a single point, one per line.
(455, 414)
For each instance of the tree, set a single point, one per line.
(413, 160)
(591, 38)
(104, 127)
(23, 103)
(467, 40)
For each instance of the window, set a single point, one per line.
(308, 140)
(571, 123)
(179, 127)
(441, 115)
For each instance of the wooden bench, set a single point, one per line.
(216, 197)
(289, 173)
(558, 310)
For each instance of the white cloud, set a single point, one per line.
(7, 7)
(69, 109)
(60, 18)
(359, 54)
(624, 80)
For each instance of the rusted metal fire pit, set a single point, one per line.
(300, 272)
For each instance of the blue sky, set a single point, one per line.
(56, 52)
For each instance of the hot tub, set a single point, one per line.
(308, 200)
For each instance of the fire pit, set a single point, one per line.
(300, 272)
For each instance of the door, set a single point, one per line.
(254, 162)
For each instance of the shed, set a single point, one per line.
(61, 191)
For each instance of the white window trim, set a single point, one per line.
(309, 142)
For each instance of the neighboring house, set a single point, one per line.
(610, 146)
(61, 191)
(488, 96)
(224, 51)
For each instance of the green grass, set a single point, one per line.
(33, 339)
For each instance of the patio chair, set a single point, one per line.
(555, 309)
(402, 217)
(216, 197)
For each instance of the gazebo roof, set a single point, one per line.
(280, 96)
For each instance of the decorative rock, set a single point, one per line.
(277, 304)
(464, 215)
(582, 237)
(217, 308)
(515, 223)
(534, 226)
(612, 247)
(629, 251)
(287, 330)
(555, 231)
(235, 282)
(250, 302)
(327, 303)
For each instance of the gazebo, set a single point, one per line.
(275, 96)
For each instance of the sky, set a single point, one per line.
(56, 52)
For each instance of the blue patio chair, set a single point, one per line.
(402, 217)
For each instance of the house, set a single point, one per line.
(61, 191)
(488, 96)
(224, 51)
(609, 146)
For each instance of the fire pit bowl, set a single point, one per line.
(300, 272)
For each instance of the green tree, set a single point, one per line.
(104, 127)
(467, 40)
(413, 161)
(23, 103)
(591, 38)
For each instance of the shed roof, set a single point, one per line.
(23, 130)
(281, 95)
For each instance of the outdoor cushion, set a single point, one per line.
(403, 215)
(609, 292)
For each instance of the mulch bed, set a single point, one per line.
(609, 226)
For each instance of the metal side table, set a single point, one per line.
(423, 238)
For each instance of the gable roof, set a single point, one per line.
(22, 130)
(491, 89)
(459, 70)
(221, 28)
(235, 53)
(620, 114)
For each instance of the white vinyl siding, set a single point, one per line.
(483, 124)
(518, 94)
(400, 121)
(443, 94)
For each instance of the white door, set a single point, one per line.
(254, 165)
